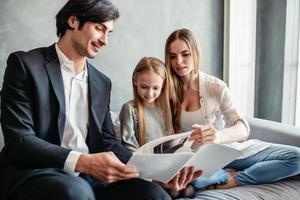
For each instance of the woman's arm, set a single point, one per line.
(208, 134)
(236, 126)
(237, 132)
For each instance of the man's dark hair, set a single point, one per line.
(97, 11)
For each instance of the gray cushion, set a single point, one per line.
(286, 189)
(274, 132)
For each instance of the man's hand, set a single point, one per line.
(105, 167)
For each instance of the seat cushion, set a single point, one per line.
(288, 189)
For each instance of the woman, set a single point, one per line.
(203, 103)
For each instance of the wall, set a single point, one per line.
(141, 31)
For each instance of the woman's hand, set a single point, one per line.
(205, 134)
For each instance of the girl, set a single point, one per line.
(203, 103)
(150, 106)
(148, 116)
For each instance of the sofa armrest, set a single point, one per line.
(274, 132)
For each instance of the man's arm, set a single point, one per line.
(22, 146)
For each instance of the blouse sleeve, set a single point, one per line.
(229, 111)
(128, 123)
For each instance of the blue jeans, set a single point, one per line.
(272, 164)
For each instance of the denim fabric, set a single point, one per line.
(272, 164)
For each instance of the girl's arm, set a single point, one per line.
(128, 123)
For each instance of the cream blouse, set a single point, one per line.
(217, 108)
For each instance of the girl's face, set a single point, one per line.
(149, 85)
(181, 59)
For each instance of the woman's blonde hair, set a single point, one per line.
(145, 65)
(176, 94)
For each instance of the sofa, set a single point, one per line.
(288, 189)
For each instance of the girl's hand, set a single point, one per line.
(185, 176)
(182, 178)
(206, 134)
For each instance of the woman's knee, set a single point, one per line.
(296, 159)
(293, 160)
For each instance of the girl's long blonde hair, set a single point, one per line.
(176, 83)
(145, 65)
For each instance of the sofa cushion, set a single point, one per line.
(288, 189)
(274, 132)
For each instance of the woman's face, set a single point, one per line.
(181, 59)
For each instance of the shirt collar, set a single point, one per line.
(63, 60)
(68, 65)
(82, 75)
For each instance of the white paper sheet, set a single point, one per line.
(212, 157)
(162, 167)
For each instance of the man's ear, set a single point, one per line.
(73, 22)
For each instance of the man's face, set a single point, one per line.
(91, 37)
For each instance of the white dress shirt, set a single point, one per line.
(76, 108)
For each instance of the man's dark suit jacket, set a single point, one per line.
(33, 116)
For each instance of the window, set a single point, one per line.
(291, 83)
(239, 52)
(297, 121)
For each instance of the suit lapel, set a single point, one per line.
(94, 87)
(55, 76)
(97, 111)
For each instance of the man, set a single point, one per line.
(59, 138)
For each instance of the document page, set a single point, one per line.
(161, 167)
(168, 144)
(212, 157)
(163, 158)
